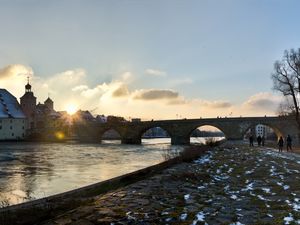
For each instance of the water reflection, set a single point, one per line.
(30, 170)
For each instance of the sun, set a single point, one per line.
(71, 109)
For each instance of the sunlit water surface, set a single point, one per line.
(34, 170)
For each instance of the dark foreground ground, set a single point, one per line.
(231, 185)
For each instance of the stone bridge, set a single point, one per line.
(180, 130)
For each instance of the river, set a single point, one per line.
(34, 170)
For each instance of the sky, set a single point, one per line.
(148, 59)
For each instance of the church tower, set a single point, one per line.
(49, 104)
(28, 102)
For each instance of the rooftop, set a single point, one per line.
(9, 106)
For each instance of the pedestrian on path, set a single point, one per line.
(258, 140)
(263, 140)
(288, 143)
(251, 139)
(280, 143)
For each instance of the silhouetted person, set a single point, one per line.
(251, 139)
(288, 143)
(258, 139)
(263, 140)
(280, 144)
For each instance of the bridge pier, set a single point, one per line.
(180, 140)
(133, 141)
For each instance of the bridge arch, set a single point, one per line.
(111, 136)
(109, 133)
(154, 131)
(275, 129)
(219, 127)
(204, 132)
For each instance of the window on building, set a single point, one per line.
(0, 127)
(10, 121)
(11, 127)
(12, 134)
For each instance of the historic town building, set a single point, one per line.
(39, 115)
(28, 104)
(13, 122)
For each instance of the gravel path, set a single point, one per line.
(230, 185)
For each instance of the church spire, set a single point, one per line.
(28, 86)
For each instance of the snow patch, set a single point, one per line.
(296, 207)
(186, 197)
(183, 216)
(288, 218)
(262, 198)
(266, 190)
(230, 170)
(237, 223)
(249, 187)
(249, 171)
(234, 197)
(129, 216)
(201, 187)
(203, 160)
(199, 218)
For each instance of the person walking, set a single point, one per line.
(263, 140)
(280, 144)
(258, 140)
(251, 140)
(288, 143)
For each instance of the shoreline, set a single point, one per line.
(36, 210)
(234, 184)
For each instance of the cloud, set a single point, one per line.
(118, 98)
(92, 92)
(263, 101)
(120, 91)
(15, 70)
(178, 101)
(68, 78)
(154, 94)
(14, 77)
(155, 72)
(80, 88)
(216, 104)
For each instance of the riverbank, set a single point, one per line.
(41, 209)
(30, 171)
(234, 184)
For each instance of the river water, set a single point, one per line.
(34, 170)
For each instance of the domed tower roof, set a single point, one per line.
(27, 86)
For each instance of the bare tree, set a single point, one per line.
(286, 79)
(285, 108)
